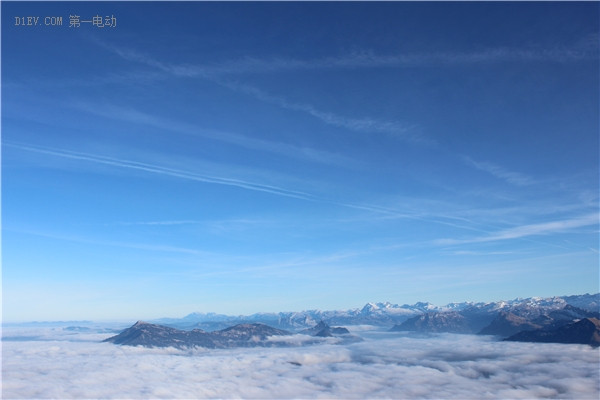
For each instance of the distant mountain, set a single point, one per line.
(371, 314)
(502, 318)
(510, 323)
(449, 321)
(499, 318)
(324, 330)
(588, 302)
(584, 331)
(507, 323)
(152, 335)
(247, 333)
(477, 315)
(569, 313)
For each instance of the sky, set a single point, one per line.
(262, 157)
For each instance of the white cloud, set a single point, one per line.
(392, 128)
(129, 114)
(383, 366)
(530, 230)
(161, 170)
(584, 49)
(514, 178)
(215, 73)
(139, 246)
(190, 174)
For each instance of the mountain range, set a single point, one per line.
(566, 319)
(500, 322)
(477, 315)
(241, 335)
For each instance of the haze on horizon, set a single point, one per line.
(261, 157)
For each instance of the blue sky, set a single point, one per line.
(246, 157)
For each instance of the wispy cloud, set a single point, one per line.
(216, 74)
(155, 168)
(545, 228)
(160, 170)
(159, 223)
(514, 178)
(190, 175)
(439, 218)
(481, 253)
(585, 49)
(132, 115)
(225, 225)
(367, 125)
(137, 246)
(581, 50)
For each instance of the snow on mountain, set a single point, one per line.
(589, 302)
(386, 313)
(499, 319)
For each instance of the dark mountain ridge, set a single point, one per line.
(584, 331)
(152, 335)
(508, 323)
(241, 335)
(504, 321)
(322, 329)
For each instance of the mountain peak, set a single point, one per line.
(322, 325)
(369, 307)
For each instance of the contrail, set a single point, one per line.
(156, 169)
(165, 171)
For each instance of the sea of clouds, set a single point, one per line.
(54, 362)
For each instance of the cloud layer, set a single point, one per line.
(68, 364)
